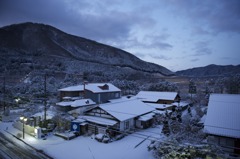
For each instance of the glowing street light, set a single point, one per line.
(17, 100)
(23, 121)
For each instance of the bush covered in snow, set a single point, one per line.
(184, 138)
(171, 148)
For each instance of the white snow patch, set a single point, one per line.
(88, 147)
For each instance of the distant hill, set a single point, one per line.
(211, 70)
(29, 46)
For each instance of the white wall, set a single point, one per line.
(123, 125)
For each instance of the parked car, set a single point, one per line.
(102, 138)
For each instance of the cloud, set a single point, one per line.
(194, 60)
(201, 49)
(91, 19)
(161, 45)
(140, 55)
(214, 16)
(149, 42)
(160, 57)
(225, 58)
(158, 41)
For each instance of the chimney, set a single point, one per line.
(104, 87)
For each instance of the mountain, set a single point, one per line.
(211, 70)
(38, 46)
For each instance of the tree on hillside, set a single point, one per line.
(163, 86)
(232, 85)
(127, 87)
(192, 88)
(219, 85)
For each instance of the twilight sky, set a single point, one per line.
(177, 34)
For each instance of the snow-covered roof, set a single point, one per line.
(126, 109)
(181, 104)
(82, 102)
(79, 120)
(98, 87)
(155, 96)
(49, 114)
(223, 115)
(99, 120)
(76, 103)
(64, 104)
(94, 87)
(161, 111)
(159, 106)
(122, 99)
(146, 117)
(72, 88)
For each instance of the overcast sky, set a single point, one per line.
(177, 34)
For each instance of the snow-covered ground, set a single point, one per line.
(133, 146)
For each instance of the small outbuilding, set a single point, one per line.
(158, 97)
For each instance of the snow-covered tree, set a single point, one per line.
(192, 88)
(163, 86)
(233, 84)
(62, 123)
(184, 140)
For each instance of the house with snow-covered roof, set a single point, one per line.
(222, 122)
(161, 100)
(158, 97)
(117, 117)
(98, 92)
(72, 91)
(79, 105)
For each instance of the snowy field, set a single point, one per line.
(133, 146)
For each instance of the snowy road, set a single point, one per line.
(13, 150)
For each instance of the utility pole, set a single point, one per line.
(84, 96)
(4, 92)
(84, 84)
(45, 99)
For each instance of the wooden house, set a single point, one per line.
(76, 106)
(98, 92)
(222, 123)
(102, 92)
(117, 117)
(158, 97)
(72, 91)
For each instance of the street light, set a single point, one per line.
(17, 100)
(23, 120)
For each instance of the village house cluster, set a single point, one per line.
(100, 109)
